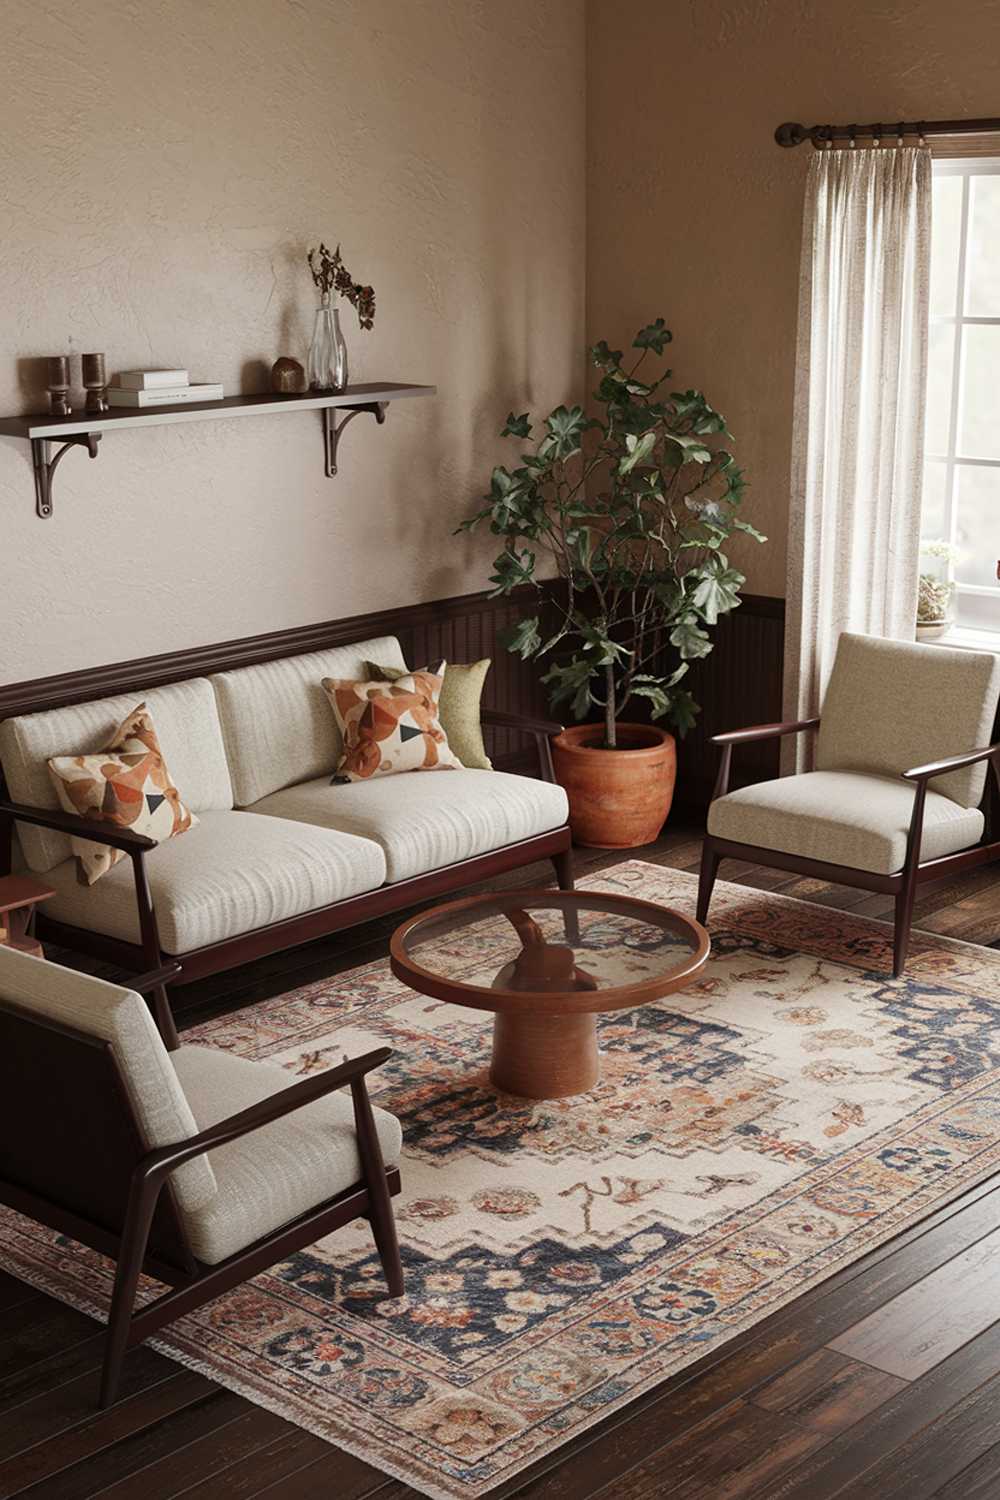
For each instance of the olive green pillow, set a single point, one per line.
(458, 706)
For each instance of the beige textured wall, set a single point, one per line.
(164, 168)
(693, 211)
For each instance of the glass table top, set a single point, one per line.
(603, 949)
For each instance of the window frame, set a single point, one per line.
(977, 606)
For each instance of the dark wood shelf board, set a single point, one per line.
(44, 425)
(85, 429)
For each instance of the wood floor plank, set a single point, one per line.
(979, 1480)
(263, 1470)
(75, 1401)
(939, 1453)
(826, 1396)
(46, 1325)
(91, 1477)
(333, 1477)
(840, 1466)
(923, 1325)
(198, 1459)
(101, 1429)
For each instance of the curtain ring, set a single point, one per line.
(921, 137)
(899, 134)
(852, 131)
(877, 134)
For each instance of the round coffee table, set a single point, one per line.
(546, 963)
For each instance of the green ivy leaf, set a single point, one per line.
(690, 640)
(523, 638)
(655, 336)
(517, 426)
(510, 569)
(605, 358)
(717, 593)
(638, 450)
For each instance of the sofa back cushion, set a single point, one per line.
(187, 724)
(892, 705)
(277, 724)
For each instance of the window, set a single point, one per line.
(961, 501)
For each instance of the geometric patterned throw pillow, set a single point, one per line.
(459, 708)
(127, 784)
(390, 726)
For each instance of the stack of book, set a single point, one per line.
(160, 388)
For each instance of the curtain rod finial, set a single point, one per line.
(791, 134)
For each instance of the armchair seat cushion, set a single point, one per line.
(231, 874)
(422, 821)
(279, 1172)
(843, 818)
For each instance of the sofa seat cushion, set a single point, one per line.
(843, 818)
(274, 1174)
(232, 873)
(422, 821)
(189, 733)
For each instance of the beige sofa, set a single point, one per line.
(278, 855)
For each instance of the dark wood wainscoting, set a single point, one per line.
(738, 684)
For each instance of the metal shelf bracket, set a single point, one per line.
(45, 466)
(333, 430)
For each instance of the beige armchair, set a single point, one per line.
(197, 1166)
(902, 748)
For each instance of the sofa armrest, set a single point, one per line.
(540, 730)
(87, 828)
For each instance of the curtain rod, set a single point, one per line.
(791, 134)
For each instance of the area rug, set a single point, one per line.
(752, 1135)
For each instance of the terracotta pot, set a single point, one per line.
(618, 799)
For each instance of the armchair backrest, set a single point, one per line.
(892, 705)
(86, 1088)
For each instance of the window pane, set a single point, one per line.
(977, 533)
(983, 285)
(940, 358)
(946, 234)
(932, 506)
(979, 423)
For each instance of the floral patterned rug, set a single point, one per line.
(750, 1136)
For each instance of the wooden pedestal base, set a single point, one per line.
(544, 1056)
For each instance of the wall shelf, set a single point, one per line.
(86, 429)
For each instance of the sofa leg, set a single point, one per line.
(564, 875)
(706, 878)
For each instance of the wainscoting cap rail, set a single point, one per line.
(85, 429)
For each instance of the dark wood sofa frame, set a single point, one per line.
(148, 672)
(72, 1157)
(902, 884)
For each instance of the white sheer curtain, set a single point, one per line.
(854, 523)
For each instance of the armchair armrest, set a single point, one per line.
(540, 730)
(952, 763)
(160, 1162)
(88, 828)
(763, 732)
(748, 736)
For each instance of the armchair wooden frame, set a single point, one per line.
(902, 884)
(118, 1198)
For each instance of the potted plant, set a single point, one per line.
(935, 589)
(633, 506)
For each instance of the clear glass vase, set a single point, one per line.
(328, 352)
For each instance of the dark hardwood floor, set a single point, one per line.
(883, 1382)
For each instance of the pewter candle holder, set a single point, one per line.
(58, 385)
(95, 382)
